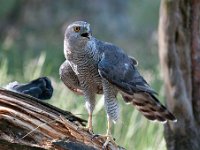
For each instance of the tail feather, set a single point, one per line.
(150, 107)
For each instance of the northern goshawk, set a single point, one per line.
(96, 67)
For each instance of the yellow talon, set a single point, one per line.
(108, 137)
(89, 127)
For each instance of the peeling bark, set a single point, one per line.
(28, 123)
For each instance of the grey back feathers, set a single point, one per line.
(96, 67)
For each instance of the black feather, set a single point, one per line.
(40, 88)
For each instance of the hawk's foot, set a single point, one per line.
(107, 138)
(87, 129)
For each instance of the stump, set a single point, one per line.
(28, 123)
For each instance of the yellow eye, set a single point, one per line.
(77, 29)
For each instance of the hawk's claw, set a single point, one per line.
(95, 136)
(87, 129)
(107, 138)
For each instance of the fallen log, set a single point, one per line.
(28, 123)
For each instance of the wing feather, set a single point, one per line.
(120, 70)
(69, 78)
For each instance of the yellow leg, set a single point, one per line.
(90, 128)
(109, 127)
(108, 135)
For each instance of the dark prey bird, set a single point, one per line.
(40, 88)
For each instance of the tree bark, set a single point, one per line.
(179, 51)
(28, 123)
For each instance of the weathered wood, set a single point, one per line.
(28, 123)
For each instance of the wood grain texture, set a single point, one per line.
(28, 123)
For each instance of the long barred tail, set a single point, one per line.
(150, 107)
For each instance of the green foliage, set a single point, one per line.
(5, 7)
(4, 72)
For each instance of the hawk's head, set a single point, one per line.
(78, 30)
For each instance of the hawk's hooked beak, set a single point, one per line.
(87, 35)
(86, 32)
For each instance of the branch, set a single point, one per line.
(28, 123)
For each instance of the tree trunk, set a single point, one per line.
(28, 123)
(179, 50)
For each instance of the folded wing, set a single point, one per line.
(120, 70)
